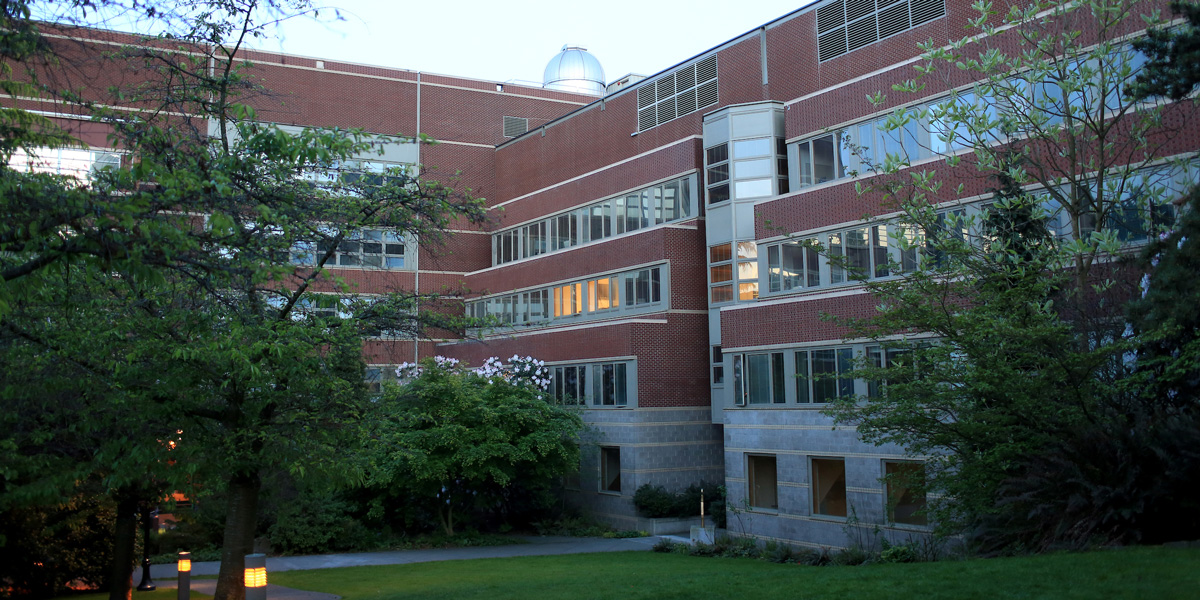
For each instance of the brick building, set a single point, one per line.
(644, 244)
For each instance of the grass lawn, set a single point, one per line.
(159, 594)
(1142, 573)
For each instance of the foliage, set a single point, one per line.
(146, 329)
(50, 546)
(654, 501)
(461, 441)
(1006, 349)
(1174, 54)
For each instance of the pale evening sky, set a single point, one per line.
(504, 41)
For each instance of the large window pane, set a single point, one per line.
(829, 487)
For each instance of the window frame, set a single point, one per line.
(755, 491)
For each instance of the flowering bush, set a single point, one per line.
(521, 370)
(463, 443)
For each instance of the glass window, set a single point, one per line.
(610, 469)
(761, 479)
(905, 483)
(750, 148)
(829, 486)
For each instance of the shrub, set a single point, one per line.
(654, 502)
(663, 545)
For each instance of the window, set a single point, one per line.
(820, 375)
(610, 385)
(747, 273)
(716, 171)
(569, 385)
(605, 384)
(905, 485)
(759, 378)
(79, 163)
(654, 205)
(761, 481)
(718, 366)
(599, 297)
(370, 248)
(720, 273)
(858, 253)
(824, 158)
(793, 265)
(829, 486)
(610, 469)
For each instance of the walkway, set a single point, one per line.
(164, 575)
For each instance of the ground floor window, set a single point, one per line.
(610, 469)
(829, 486)
(762, 481)
(905, 484)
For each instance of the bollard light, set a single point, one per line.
(256, 577)
(184, 568)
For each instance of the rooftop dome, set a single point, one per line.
(574, 70)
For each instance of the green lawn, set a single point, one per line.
(1141, 573)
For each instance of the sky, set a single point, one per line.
(513, 41)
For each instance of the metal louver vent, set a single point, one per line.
(686, 102)
(831, 15)
(666, 87)
(686, 77)
(514, 126)
(707, 69)
(645, 96)
(846, 25)
(706, 94)
(831, 44)
(924, 11)
(676, 94)
(647, 118)
(666, 110)
(857, 8)
(893, 20)
(861, 32)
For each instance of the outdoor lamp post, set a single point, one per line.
(185, 575)
(147, 584)
(256, 577)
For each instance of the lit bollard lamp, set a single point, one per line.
(256, 577)
(185, 575)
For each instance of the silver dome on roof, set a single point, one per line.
(574, 70)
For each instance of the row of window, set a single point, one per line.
(82, 164)
(904, 481)
(375, 248)
(597, 296)
(933, 131)
(883, 250)
(595, 384)
(805, 377)
(654, 205)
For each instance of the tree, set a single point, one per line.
(457, 441)
(203, 325)
(1005, 350)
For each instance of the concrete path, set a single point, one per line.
(536, 546)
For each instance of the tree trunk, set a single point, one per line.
(240, 520)
(120, 577)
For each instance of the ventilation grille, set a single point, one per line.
(676, 94)
(515, 126)
(845, 25)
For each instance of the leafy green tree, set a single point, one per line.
(1173, 68)
(157, 321)
(457, 440)
(1006, 352)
